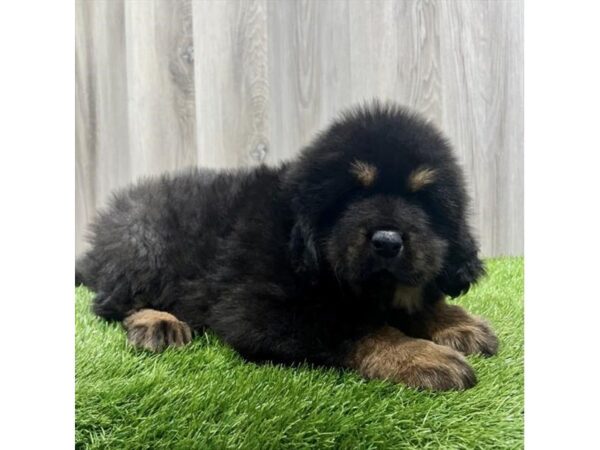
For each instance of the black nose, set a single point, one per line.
(387, 243)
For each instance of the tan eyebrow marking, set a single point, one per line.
(421, 177)
(365, 173)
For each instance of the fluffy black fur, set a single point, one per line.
(277, 261)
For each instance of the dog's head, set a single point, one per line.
(379, 195)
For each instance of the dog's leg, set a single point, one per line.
(156, 330)
(390, 354)
(275, 333)
(452, 326)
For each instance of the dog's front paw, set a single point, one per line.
(156, 330)
(469, 337)
(418, 363)
(437, 368)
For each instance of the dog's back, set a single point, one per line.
(160, 231)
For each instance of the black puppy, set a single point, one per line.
(342, 257)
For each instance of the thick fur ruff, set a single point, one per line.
(279, 262)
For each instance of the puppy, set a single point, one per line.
(342, 257)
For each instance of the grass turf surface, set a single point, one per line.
(204, 396)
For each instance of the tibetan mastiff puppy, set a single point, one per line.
(342, 257)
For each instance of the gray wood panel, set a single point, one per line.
(309, 70)
(230, 40)
(165, 84)
(160, 84)
(481, 65)
(102, 135)
(395, 52)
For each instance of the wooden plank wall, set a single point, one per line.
(165, 84)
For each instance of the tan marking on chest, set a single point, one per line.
(408, 298)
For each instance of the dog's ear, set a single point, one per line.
(462, 267)
(312, 184)
(303, 250)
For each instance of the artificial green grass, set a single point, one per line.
(204, 396)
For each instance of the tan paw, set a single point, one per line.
(437, 368)
(156, 330)
(470, 337)
(391, 355)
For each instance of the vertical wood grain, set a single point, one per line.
(102, 137)
(85, 145)
(160, 83)
(396, 55)
(164, 84)
(509, 235)
(231, 82)
(482, 113)
(309, 70)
